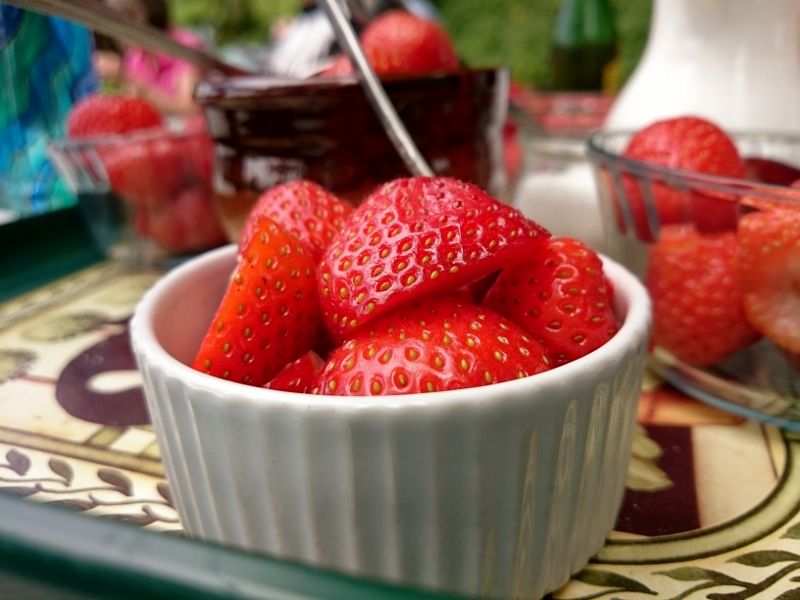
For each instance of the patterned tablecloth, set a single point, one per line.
(712, 508)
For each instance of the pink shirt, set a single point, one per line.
(158, 70)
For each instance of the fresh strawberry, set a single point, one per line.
(269, 314)
(693, 281)
(689, 144)
(158, 223)
(101, 115)
(340, 67)
(299, 376)
(772, 198)
(306, 210)
(199, 148)
(415, 237)
(440, 344)
(148, 171)
(769, 265)
(512, 149)
(400, 43)
(560, 297)
(131, 173)
(771, 171)
(194, 216)
(170, 164)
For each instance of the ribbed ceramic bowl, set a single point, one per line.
(500, 491)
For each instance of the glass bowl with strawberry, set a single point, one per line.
(428, 389)
(710, 220)
(143, 186)
(268, 130)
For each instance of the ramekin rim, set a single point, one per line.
(635, 326)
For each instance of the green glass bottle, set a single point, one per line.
(584, 47)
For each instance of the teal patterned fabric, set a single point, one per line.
(45, 67)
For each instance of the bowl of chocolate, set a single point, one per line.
(269, 130)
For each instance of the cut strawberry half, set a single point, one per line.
(769, 265)
(445, 343)
(269, 315)
(299, 376)
(698, 312)
(415, 237)
(560, 298)
(305, 209)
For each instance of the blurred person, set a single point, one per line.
(166, 82)
(45, 68)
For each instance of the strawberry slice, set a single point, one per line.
(269, 314)
(698, 312)
(299, 376)
(107, 114)
(194, 221)
(132, 174)
(560, 297)
(769, 266)
(146, 171)
(414, 237)
(689, 144)
(441, 344)
(769, 170)
(303, 208)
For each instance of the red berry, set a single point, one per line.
(560, 297)
(306, 210)
(146, 171)
(131, 173)
(102, 115)
(415, 237)
(400, 43)
(269, 314)
(340, 67)
(441, 344)
(194, 216)
(769, 170)
(169, 162)
(299, 376)
(698, 312)
(769, 265)
(689, 144)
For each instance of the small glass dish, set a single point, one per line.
(762, 380)
(267, 131)
(146, 195)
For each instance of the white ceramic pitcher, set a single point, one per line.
(736, 62)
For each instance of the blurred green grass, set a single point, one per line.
(515, 33)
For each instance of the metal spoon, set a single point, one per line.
(380, 102)
(98, 17)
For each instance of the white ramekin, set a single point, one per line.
(499, 491)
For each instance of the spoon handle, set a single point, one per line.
(98, 17)
(383, 107)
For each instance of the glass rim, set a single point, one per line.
(600, 156)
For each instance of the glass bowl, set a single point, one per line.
(146, 195)
(267, 131)
(761, 380)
